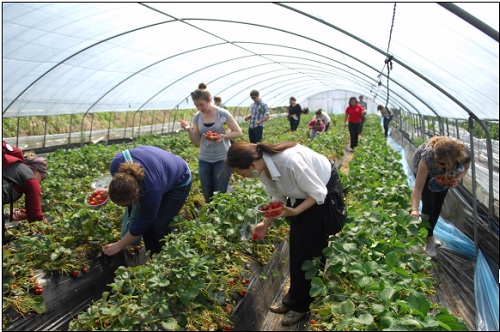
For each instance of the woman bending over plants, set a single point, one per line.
(438, 164)
(153, 185)
(299, 176)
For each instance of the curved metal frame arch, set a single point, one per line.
(434, 85)
(75, 54)
(184, 20)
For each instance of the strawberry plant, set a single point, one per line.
(376, 277)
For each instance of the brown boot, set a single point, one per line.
(278, 309)
(292, 317)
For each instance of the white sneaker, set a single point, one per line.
(430, 249)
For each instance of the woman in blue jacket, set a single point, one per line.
(157, 184)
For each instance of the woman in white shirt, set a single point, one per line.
(297, 176)
(324, 118)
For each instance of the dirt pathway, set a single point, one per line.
(345, 162)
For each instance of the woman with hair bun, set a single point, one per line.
(207, 131)
(153, 184)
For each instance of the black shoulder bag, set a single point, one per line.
(336, 213)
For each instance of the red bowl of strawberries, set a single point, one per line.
(272, 209)
(97, 198)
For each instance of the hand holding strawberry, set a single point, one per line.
(259, 231)
(185, 125)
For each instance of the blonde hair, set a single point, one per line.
(448, 148)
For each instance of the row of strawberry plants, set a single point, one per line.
(215, 240)
(76, 234)
(377, 277)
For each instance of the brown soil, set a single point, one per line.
(345, 162)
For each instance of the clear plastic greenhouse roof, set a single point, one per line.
(426, 58)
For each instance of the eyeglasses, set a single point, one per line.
(43, 175)
(253, 97)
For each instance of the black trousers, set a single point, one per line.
(432, 203)
(354, 130)
(307, 241)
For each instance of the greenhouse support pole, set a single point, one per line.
(175, 117)
(82, 133)
(163, 123)
(441, 125)
(109, 125)
(152, 123)
(125, 127)
(457, 129)
(70, 125)
(422, 127)
(45, 131)
(133, 124)
(17, 135)
(489, 152)
(91, 125)
(472, 20)
(140, 123)
(474, 202)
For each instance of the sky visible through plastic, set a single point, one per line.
(67, 58)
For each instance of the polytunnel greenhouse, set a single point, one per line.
(83, 82)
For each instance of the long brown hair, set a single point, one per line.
(448, 148)
(243, 154)
(127, 184)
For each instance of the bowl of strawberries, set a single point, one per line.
(446, 180)
(97, 198)
(212, 136)
(271, 210)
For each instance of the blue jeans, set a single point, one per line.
(213, 177)
(255, 134)
(170, 206)
(386, 124)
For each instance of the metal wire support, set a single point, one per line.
(389, 58)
